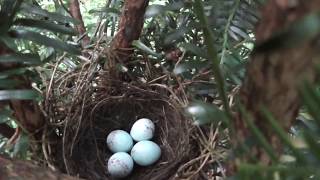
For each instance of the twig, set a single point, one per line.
(64, 7)
(53, 73)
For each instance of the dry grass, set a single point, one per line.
(84, 105)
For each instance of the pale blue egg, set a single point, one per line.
(142, 129)
(145, 153)
(119, 141)
(120, 165)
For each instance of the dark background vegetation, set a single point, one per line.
(243, 72)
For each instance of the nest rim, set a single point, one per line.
(81, 129)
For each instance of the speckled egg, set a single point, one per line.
(142, 129)
(119, 141)
(120, 165)
(145, 153)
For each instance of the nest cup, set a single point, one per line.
(117, 105)
(171, 132)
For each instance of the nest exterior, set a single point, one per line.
(84, 105)
(87, 106)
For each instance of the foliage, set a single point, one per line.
(26, 29)
(202, 46)
(301, 158)
(300, 161)
(174, 26)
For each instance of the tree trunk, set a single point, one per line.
(16, 169)
(273, 76)
(76, 13)
(130, 28)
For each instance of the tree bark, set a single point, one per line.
(130, 28)
(273, 76)
(17, 169)
(76, 13)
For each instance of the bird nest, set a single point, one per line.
(84, 106)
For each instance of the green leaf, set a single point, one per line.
(188, 66)
(5, 115)
(258, 135)
(32, 9)
(41, 39)
(144, 48)
(45, 25)
(28, 59)
(204, 113)
(194, 49)
(226, 30)
(181, 68)
(21, 147)
(9, 83)
(254, 170)
(175, 5)
(25, 94)
(203, 89)
(106, 10)
(311, 100)
(121, 68)
(8, 10)
(176, 35)
(282, 134)
(8, 73)
(50, 55)
(157, 9)
(154, 10)
(212, 54)
(313, 144)
(8, 41)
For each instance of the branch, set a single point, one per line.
(76, 13)
(64, 7)
(17, 169)
(130, 27)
